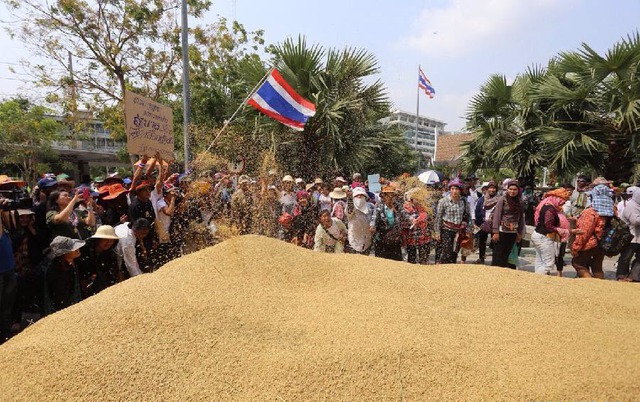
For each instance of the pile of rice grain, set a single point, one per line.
(257, 319)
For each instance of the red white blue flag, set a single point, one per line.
(278, 100)
(425, 84)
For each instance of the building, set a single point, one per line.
(92, 145)
(428, 130)
(450, 148)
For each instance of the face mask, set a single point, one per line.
(359, 202)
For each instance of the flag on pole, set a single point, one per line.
(425, 84)
(276, 99)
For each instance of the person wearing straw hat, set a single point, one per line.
(338, 197)
(288, 201)
(388, 243)
(452, 222)
(98, 267)
(62, 282)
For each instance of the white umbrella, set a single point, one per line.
(429, 177)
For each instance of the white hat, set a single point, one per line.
(341, 179)
(299, 180)
(287, 178)
(105, 232)
(338, 193)
(360, 191)
(25, 212)
(632, 189)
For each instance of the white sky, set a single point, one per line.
(458, 43)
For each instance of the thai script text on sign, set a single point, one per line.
(149, 126)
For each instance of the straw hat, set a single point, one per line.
(105, 232)
(287, 178)
(388, 190)
(600, 180)
(338, 193)
(318, 181)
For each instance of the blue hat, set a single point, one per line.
(47, 183)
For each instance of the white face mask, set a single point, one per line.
(360, 203)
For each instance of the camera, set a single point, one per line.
(18, 199)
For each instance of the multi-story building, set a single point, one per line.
(421, 136)
(91, 145)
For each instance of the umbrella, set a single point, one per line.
(429, 177)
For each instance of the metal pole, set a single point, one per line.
(186, 93)
(415, 138)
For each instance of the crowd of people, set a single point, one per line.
(68, 242)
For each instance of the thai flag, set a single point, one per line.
(425, 84)
(278, 100)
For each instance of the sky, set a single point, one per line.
(458, 43)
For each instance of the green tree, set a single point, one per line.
(26, 136)
(593, 109)
(345, 134)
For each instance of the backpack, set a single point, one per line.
(616, 236)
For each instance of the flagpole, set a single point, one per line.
(244, 102)
(415, 138)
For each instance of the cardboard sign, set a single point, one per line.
(149, 126)
(374, 183)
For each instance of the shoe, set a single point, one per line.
(480, 261)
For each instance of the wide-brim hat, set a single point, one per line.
(600, 180)
(309, 186)
(388, 190)
(360, 191)
(64, 183)
(338, 193)
(287, 178)
(318, 181)
(62, 245)
(105, 232)
(115, 190)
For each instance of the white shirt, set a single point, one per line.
(126, 249)
(158, 202)
(359, 223)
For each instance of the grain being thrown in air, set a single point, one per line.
(257, 319)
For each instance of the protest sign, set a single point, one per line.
(374, 183)
(149, 126)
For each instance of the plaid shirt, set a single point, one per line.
(420, 233)
(451, 211)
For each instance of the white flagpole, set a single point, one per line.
(242, 105)
(415, 137)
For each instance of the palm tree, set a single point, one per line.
(593, 109)
(504, 123)
(345, 134)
